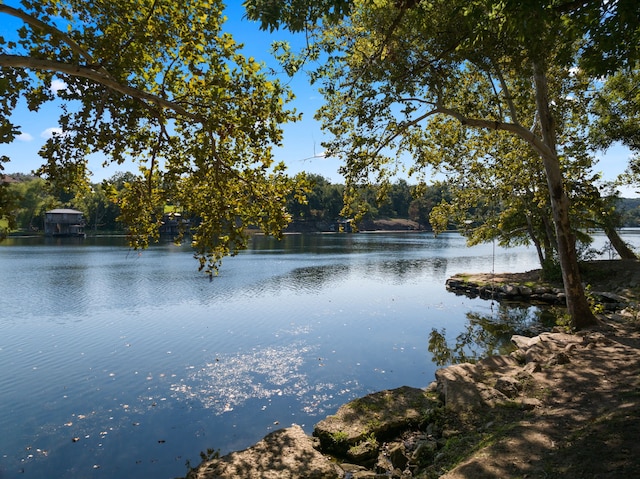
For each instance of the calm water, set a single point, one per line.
(119, 364)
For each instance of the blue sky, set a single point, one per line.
(301, 151)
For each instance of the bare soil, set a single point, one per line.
(588, 424)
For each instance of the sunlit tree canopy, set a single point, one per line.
(158, 82)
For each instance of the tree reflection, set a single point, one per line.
(488, 334)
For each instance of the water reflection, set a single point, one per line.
(313, 279)
(488, 334)
(401, 271)
(310, 279)
(229, 381)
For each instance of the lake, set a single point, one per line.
(117, 363)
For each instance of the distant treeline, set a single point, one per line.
(31, 198)
(325, 203)
(630, 210)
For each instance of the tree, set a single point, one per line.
(323, 200)
(425, 201)
(395, 66)
(7, 205)
(399, 199)
(468, 72)
(161, 83)
(32, 199)
(499, 194)
(95, 205)
(617, 109)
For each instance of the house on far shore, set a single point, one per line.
(173, 223)
(64, 222)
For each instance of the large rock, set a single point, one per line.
(461, 388)
(378, 415)
(544, 346)
(283, 454)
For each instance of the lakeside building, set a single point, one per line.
(64, 222)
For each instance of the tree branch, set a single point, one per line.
(527, 135)
(34, 22)
(507, 93)
(18, 61)
(386, 140)
(537, 144)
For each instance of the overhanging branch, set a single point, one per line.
(34, 22)
(537, 144)
(527, 135)
(18, 61)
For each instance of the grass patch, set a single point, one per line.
(339, 438)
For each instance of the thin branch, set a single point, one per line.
(411, 99)
(480, 123)
(509, 99)
(405, 126)
(386, 38)
(536, 119)
(100, 75)
(507, 93)
(133, 36)
(496, 93)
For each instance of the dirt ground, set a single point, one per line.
(588, 425)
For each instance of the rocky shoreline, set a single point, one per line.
(516, 415)
(486, 288)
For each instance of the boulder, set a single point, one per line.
(461, 388)
(509, 386)
(456, 386)
(550, 298)
(526, 291)
(284, 454)
(511, 290)
(365, 452)
(498, 362)
(524, 342)
(378, 415)
(355, 471)
(397, 455)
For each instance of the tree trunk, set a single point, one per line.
(618, 243)
(577, 304)
(536, 242)
(550, 243)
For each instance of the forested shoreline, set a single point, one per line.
(322, 210)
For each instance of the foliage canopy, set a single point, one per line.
(159, 82)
